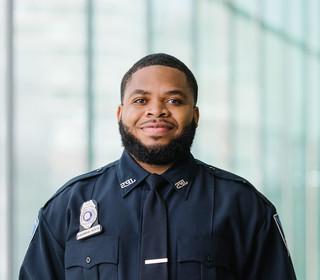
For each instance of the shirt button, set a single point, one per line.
(88, 260)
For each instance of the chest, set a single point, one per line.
(193, 251)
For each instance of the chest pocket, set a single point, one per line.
(92, 258)
(201, 259)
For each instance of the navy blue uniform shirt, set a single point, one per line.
(219, 227)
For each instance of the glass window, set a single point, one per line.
(115, 50)
(172, 31)
(3, 139)
(248, 6)
(296, 17)
(314, 24)
(274, 114)
(296, 124)
(212, 75)
(312, 170)
(245, 98)
(274, 13)
(50, 106)
(258, 98)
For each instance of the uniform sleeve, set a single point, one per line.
(270, 257)
(45, 256)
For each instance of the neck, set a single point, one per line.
(152, 168)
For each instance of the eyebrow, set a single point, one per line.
(139, 92)
(170, 92)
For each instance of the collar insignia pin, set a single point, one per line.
(89, 220)
(180, 184)
(127, 183)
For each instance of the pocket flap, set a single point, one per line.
(203, 249)
(92, 251)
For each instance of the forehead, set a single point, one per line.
(157, 76)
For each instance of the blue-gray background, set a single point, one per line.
(257, 64)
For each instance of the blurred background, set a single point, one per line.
(258, 67)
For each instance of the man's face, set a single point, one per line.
(157, 105)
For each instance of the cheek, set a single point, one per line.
(184, 118)
(130, 117)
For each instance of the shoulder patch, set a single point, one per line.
(279, 226)
(221, 173)
(88, 175)
(209, 167)
(34, 227)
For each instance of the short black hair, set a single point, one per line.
(164, 60)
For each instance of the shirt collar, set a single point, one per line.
(180, 175)
(130, 174)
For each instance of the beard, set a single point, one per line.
(178, 148)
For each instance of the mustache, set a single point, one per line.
(157, 121)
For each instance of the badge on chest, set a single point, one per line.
(89, 220)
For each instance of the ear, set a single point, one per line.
(196, 114)
(119, 112)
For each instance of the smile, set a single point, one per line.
(157, 128)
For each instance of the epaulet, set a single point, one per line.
(223, 174)
(81, 177)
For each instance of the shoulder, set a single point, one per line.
(61, 211)
(84, 180)
(234, 184)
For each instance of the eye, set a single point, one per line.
(139, 101)
(175, 101)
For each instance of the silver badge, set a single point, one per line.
(89, 220)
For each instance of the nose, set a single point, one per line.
(157, 109)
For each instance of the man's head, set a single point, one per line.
(164, 60)
(157, 116)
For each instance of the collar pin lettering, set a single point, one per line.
(89, 220)
(180, 184)
(127, 183)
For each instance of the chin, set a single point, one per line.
(155, 142)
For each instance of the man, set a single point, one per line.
(157, 213)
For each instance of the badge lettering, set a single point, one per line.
(127, 183)
(180, 184)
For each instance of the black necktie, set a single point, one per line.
(154, 263)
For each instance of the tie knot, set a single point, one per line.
(155, 181)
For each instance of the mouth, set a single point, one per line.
(160, 128)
